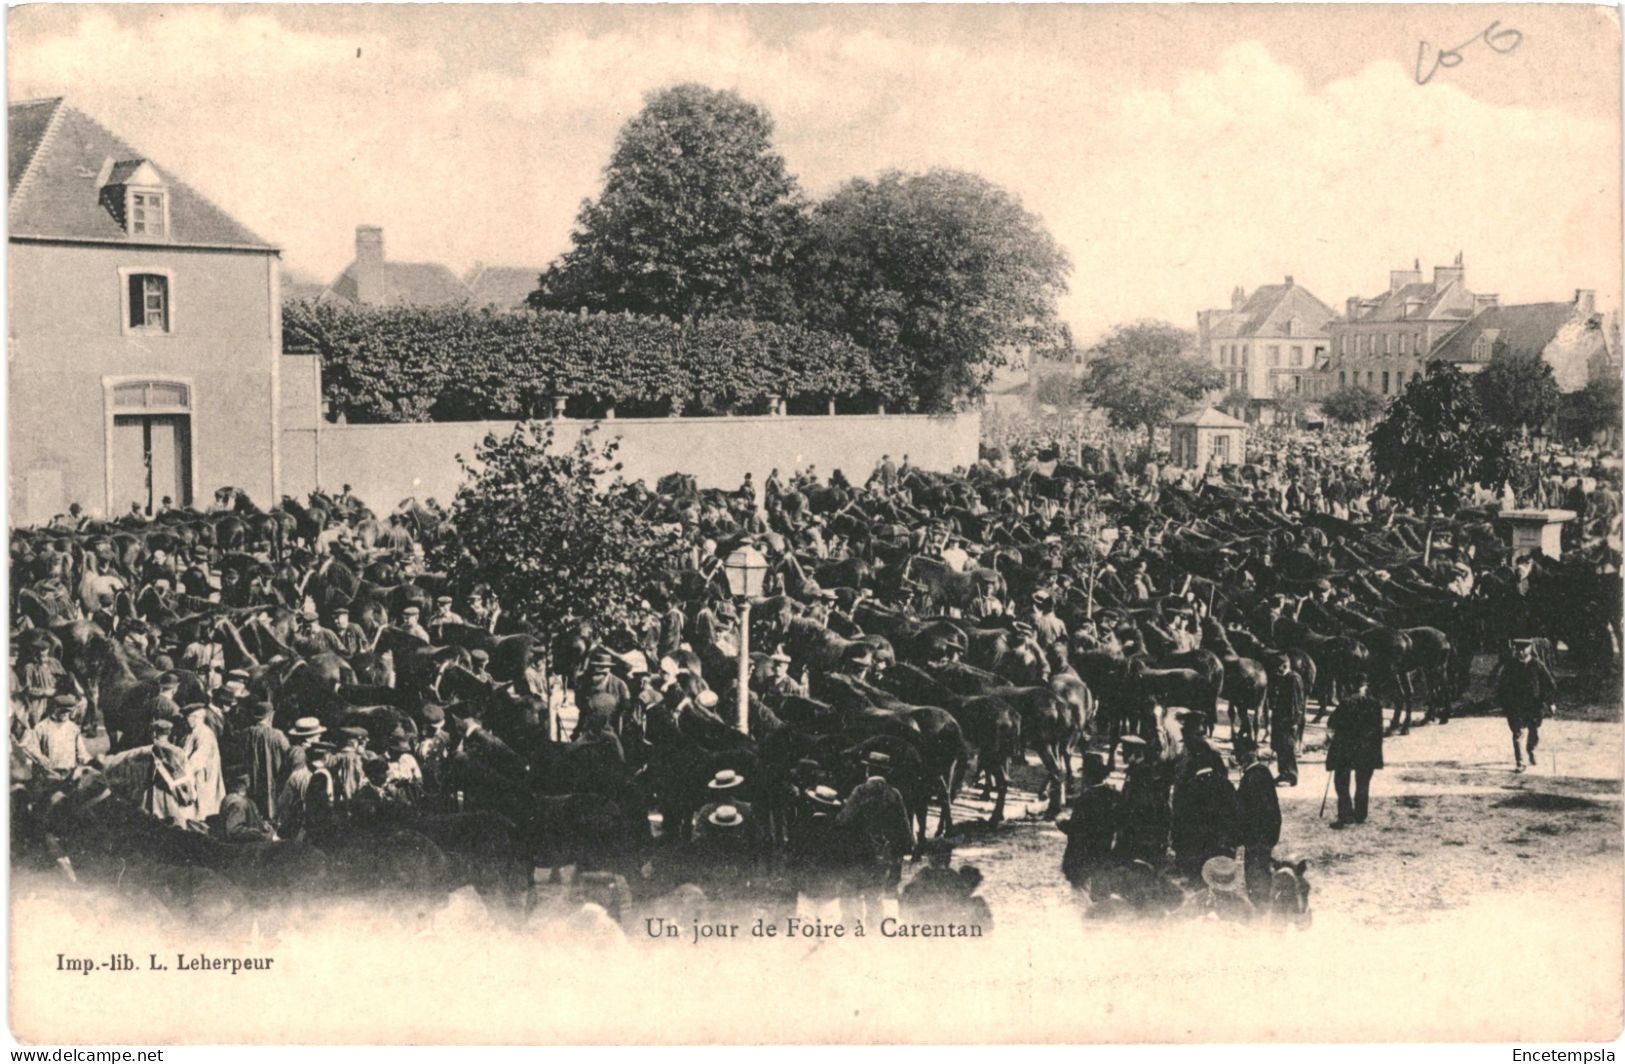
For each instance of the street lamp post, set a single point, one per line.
(746, 569)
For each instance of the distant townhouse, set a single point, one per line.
(373, 280)
(1268, 345)
(1383, 343)
(144, 328)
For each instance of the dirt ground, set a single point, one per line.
(1451, 825)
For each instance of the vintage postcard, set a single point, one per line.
(814, 524)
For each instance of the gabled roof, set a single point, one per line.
(57, 156)
(26, 126)
(505, 287)
(424, 284)
(1524, 329)
(1268, 311)
(1209, 418)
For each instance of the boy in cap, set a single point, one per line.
(1525, 690)
(240, 819)
(169, 794)
(61, 743)
(1286, 703)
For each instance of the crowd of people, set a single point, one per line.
(295, 684)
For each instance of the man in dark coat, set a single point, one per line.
(1525, 691)
(1355, 748)
(1286, 703)
(1203, 821)
(263, 753)
(1258, 819)
(1091, 826)
(601, 696)
(1142, 812)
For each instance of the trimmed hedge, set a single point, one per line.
(382, 364)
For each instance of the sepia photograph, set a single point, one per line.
(815, 524)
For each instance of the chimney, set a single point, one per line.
(1485, 300)
(1238, 298)
(1585, 301)
(1353, 308)
(369, 244)
(1443, 275)
(1398, 279)
(1289, 280)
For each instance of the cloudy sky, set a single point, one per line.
(1175, 152)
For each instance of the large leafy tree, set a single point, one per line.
(550, 531)
(1352, 405)
(698, 215)
(943, 275)
(1435, 441)
(1143, 374)
(1593, 410)
(1518, 392)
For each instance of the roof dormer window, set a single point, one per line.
(148, 213)
(135, 193)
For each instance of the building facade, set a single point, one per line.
(145, 329)
(1269, 345)
(1572, 337)
(1383, 343)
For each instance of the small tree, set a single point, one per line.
(1142, 374)
(1290, 408)
(1518, 392)
(541, 528)
(1352, 405)
(1434, 442)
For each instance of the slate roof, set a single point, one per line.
(1209, 418)
(424, 284)
(57, 154)
(1524, 329)
(1434, 300)
(505, 287)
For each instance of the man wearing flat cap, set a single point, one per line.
(443, 613)
(310, 638)
(351, 639)
(412, 625)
